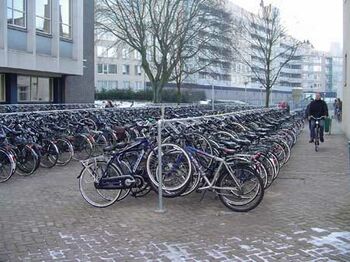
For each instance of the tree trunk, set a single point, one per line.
(178, 95)
(267, 99)
(156, 93)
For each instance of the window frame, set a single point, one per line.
(24, 12)
(70, 25)
(114, 72)
(44, 18)
(138, 70)
(29, 90)
(126, 72)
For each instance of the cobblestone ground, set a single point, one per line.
(305, 216)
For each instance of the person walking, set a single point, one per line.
(318, 108)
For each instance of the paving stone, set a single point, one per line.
(304, 217)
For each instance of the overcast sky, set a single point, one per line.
(320, 21)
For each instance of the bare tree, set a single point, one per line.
(265, 46)
(213, 46)
(165, 32)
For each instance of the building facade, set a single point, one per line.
(346, 79)
(117, 66)
(46, 51)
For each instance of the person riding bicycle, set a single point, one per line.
(318, 108)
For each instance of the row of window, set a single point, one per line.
(113, 69)
(30, 89)
(112, 52)
(17, 16)
(108, 85)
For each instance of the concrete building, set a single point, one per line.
(117, 66)
(346, 81)
(46, 51)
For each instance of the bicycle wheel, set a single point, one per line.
(90, 175)
(7, 165)
(176, 168)
(241, 189)
(100, 144)
(49, 154)
(66, 152)
(270, 169)
(82, 147)
(27, 160)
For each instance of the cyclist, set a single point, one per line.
(318, 108)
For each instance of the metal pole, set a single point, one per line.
(160, 171)
(212, 97)
(245, 92)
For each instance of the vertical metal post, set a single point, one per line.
(349, 151)
(160, 163)
(212, 97)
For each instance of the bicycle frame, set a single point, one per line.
(317, 131)
(210, 184)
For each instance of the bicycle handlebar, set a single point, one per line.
(318, 118)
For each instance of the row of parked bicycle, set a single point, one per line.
(42, 107)
(46, 139)
(237, 156)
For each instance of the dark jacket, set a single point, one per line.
(318, 108)
(307, 110)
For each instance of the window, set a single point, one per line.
(126, 85)
(112, 84)
(138, 70)
(139, 85)
(34, 89)
(102, 51)
(125, 53)
(100, 68)
(43, 16)
(137, 55)
(112, 69)
(2, 88)
(16, 13)
(66, 19)
(107, 85)
(105, 69)
(126, 69)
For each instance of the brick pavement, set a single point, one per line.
(305, 216)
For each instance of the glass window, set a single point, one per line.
(138, 70)
(102, 51)
(66, 19)
(2, 88)
(43, 16)
(112, 84)
(112, 69)
(125, 53)
(34, 89)
(16, 13)
(105, 68)
(139, 85)
(126, 85)
(137, 55)
(100, 68)
(126, 69)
